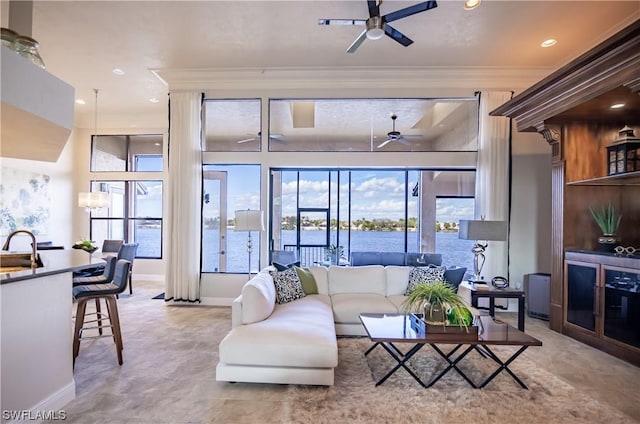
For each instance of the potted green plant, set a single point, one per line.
(333, 253)
(608, 219)
(439, 303)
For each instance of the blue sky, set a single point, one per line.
(375, 194)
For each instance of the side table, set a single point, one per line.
(492, 293)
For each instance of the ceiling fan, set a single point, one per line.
(377, 26)
(394, 135)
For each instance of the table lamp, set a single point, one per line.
(481, 231)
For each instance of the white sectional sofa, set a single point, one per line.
(295, 342)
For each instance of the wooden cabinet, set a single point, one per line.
(571, 110)
(602, 302)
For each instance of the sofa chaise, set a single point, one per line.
(295, 342)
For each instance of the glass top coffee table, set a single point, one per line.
(387, 330)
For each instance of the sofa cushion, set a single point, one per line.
(397, 279)
(297, 334)
(398, 301)
(424, 259)
(366, 258)
(393, 258)
(288, 285)
(454, 276)
(321, 274)
(361, 279)
(307, 280)
(347, 307)
(258, 298)
(427, 274)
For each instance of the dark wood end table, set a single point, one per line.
(492, 293)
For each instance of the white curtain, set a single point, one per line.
(492, 177)
(184, 198)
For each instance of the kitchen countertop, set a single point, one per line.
(55, 262)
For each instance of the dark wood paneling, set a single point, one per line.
(557, 246)
(585, 148)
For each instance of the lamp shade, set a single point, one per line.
(93, 200)
(249, 220)
(482, 230)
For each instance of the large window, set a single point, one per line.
(373, 125)
(232, 125)
(394, 210)
(134, 215)
(226, 189)
(126, 153)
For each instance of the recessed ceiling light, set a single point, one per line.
(117, 71)
(80, 102)
(548, 43)
(154, 100)
(617, 106)
(157, 144)
(471, 4)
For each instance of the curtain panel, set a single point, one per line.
(184, 197)
(493, 177)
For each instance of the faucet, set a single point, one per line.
(33, 245)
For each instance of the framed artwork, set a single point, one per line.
(25, 201)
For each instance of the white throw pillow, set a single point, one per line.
(424, 275)
(258, 298)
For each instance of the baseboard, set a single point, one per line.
(51, 408)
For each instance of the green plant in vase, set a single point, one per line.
(608, 219)
(439, 303)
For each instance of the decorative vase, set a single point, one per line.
(433, 314)
(607, 243)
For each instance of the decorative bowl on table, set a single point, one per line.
(86, 245)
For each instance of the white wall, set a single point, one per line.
(530, 236)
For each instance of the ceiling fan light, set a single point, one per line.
(375, 33)
(471, 4)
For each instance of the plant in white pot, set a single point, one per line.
(608, 219)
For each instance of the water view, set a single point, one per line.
(454, 251)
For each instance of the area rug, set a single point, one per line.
(354, 398)
(160, 296)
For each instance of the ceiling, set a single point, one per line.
(82, 41)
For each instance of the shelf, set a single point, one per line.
(627, 179)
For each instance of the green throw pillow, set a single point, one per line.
(307, 279)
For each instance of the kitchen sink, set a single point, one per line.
(12, 262)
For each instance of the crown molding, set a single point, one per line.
(476, 78)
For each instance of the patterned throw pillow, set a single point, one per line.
(424, 274)
(288, 285)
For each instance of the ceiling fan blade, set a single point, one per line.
(342, 21)
(397, 35)
(246, 140)
(354, 46)
(374, 9)
(384, 143)
(404, 141)
(411, 10)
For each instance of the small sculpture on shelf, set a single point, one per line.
(624, 154)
